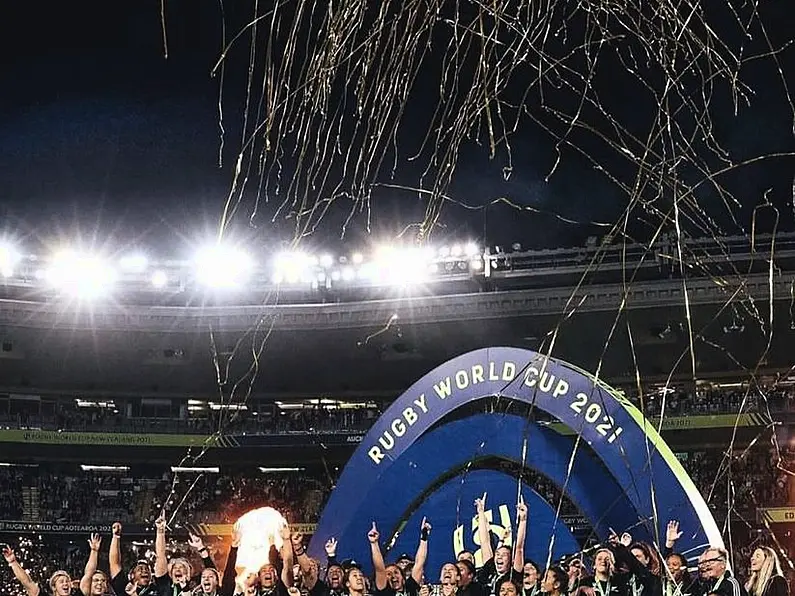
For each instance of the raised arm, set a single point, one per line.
(91, 565)
(114, 554)
(161, 560)
(228, 579)
(287, 556)
(197, 543)
(484, 532)
(672, 534)
(31, 587)
(309, 567)
(521, 534)
(624, 558)
(331, 553)
(418, 570)
(378, 559)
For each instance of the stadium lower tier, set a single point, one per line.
(86, 494)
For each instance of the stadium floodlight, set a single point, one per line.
(266, 470)
(79, 274)
(9, 258)
(221, 266)
(235, 407)
(471, 249)
(357, 258)
(294, 267)
(159, 279)
(95, 468)
(476, 264)
(134, 263)
(210, 470)
(326, 261)
(400, 266)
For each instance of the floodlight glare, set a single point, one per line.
(471, 249)
(401, 266)
(9, 257)
(326, 261)
(78, 274)
(135, 263)
(159, 279)
(293, 267)
(223, 266)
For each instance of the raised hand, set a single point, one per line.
(672, 533)
(331, 547)
(373, 534)
(116, 529)
(521, 510)
(613, 537)
(94, 542)
(297, 539)
(480, 504)
(195, 541)
(626, 539)
(8, 555)
(425, 525)
(285, 533)
(293, 591)
(160, 524)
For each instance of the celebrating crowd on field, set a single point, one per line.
(619, 567)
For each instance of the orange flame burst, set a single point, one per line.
(259, 530)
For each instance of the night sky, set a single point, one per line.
(104, 137)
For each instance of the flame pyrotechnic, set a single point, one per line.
(259, 530)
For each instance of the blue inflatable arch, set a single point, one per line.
(411, 486)
(632, 454)
(413, 491)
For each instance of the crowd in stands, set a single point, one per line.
(268, 418)
(11, 483)
(106, 496)
(745, 482)
(214, 498)
(271, 421)
(710, 402)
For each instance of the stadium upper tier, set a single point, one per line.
(114, 346)
(228, 275)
